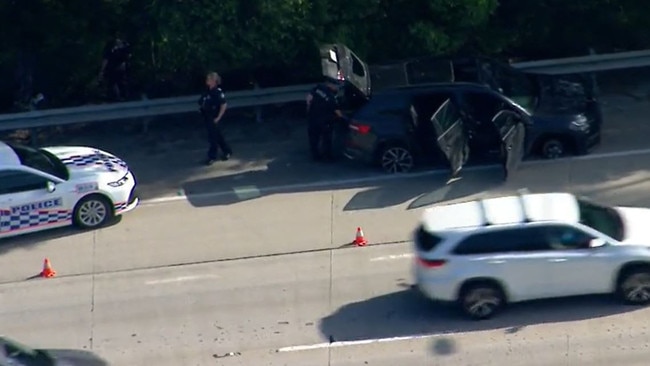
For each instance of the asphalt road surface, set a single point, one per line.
(130, 293)
(285, 310)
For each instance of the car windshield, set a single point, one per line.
(601, 218)
(24, 355)
(41, 160)
(512, 83)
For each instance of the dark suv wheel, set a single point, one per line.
(396, 158)
(553, 148)
(481, 300)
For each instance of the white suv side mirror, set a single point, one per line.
(597, 242)
(50, 186)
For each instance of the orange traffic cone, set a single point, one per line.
(47, 272)
(359, 239)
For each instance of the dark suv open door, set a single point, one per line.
(451, 137)
(513, 134)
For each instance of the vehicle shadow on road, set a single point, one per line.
(407, 313)
(28, 241)
(426, 190)
(290, 173)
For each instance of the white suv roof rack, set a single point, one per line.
(514, 209)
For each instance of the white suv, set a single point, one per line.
(486, 253)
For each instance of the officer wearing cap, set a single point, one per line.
(213, 106)
(322, 112)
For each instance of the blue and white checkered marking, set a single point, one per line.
(23, 220)
(111, 163)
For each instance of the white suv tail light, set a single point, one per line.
(431, 263)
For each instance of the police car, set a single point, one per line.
(58, 186)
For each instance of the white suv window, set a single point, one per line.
(426, 241)
(564, 237)
(523, 239)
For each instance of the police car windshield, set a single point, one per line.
(40, 160)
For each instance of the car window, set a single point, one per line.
(564, 237)
(504, 121)
(39, 160)
(482, 106)
(465, 70)
(382, 105)
(437, 107)
(513, 83)
(16, 352)
(15, 181)
(447, 115)
(425, 240)
(601, 218)
(429, 70)
(357, 66)
(502, 241)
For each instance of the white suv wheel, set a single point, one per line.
(481, 301)
(635, 288)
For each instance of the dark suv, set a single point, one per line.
(460, 109)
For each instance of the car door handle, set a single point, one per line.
(557, 260)
(497, 261)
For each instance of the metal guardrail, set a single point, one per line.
(590, 63)
(267, 96)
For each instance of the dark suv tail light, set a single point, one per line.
(431, 263)
(360, 128)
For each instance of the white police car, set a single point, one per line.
(58, 186)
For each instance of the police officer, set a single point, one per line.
(117, 54)
(322, 112)
(213, 106)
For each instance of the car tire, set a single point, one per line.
(634, 287)
(553, 148)
(92, 212)
(481, 301)
(396, 158)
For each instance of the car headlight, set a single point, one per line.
(119, 183)
(580, 123)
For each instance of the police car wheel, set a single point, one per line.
(92, 212)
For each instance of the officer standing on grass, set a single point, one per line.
(322, 111)
(213, 106)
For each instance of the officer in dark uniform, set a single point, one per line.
(322, 112)
(117, 54)
(213, 106)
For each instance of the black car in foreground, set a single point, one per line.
(456, 110)
(14, 353)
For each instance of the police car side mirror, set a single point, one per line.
(50, 186)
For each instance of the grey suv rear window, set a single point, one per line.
(503, 241)
(426, 241)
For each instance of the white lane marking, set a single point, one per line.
(355, 343)
(384, 177)
(180, 279)
(392, 257)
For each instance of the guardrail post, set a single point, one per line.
(594, 81)
(258, 109)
